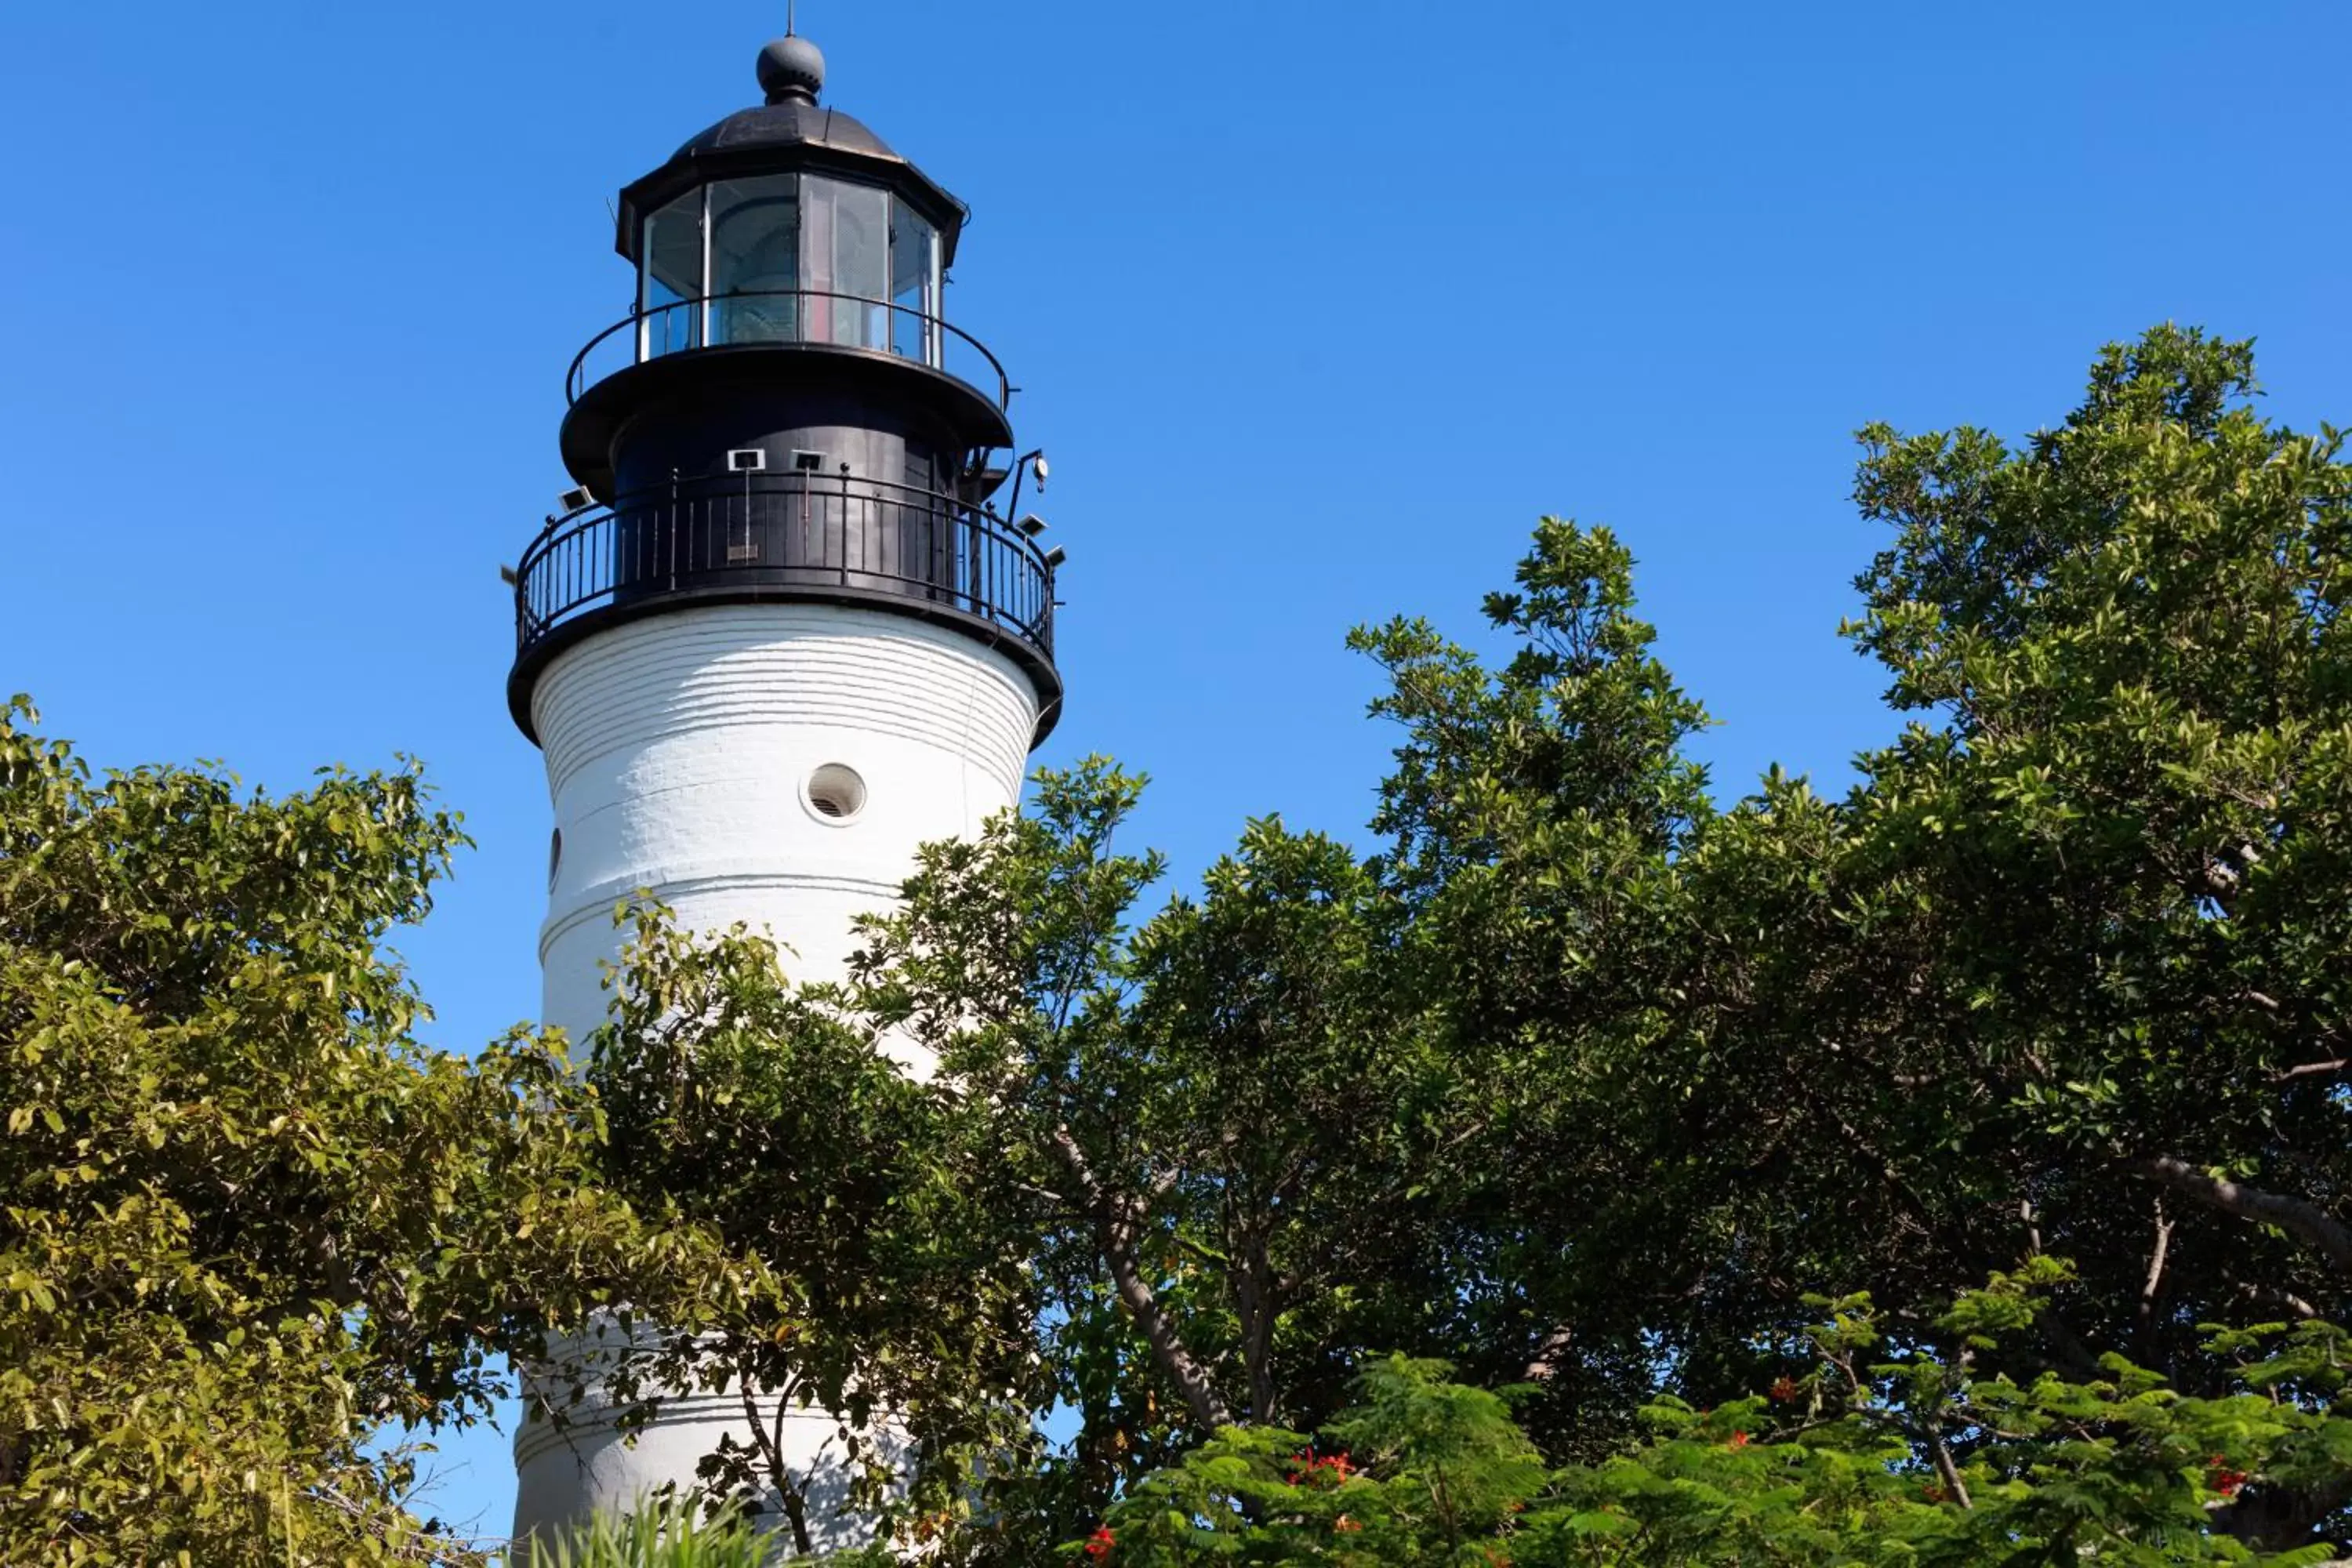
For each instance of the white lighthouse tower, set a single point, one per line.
(785, 635)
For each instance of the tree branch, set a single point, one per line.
(2155, 1259)
(1545, 1361)
(1949, 1471)
(2306, 1222)
(772, 1454)
(1114, 1232)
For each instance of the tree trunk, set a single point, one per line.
(1114, 1235)
(1255, 1299)
(780, 1474)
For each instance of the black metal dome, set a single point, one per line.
(794, 123)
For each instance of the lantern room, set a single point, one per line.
(787, 226)
(786, 411)
(797, 256)
(789, 223)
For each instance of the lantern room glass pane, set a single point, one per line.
(755, 246)
(913, 284)
(671, 253)
(847, 253)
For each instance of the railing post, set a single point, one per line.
(973, 543)
(796, 548)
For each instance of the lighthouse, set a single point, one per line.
(788, 624)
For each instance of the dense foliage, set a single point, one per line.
(1954, 1170)
(1586, 1083)
(250, 1224)
(1839, 1467)
(783, 1124)
(671, 1535)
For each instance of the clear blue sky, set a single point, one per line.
(1316, 305)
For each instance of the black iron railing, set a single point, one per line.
(789, 316)
(762, 534)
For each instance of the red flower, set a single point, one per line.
(1784, 1390)
(1099, 1544)
(1933, 1492)
(1738, 1440)
(2222, 1477)
(1307, 1468)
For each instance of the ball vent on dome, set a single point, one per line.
(791, 71)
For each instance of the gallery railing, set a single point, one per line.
(789, 316)
(766, 534)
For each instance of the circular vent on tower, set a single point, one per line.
(836, 792)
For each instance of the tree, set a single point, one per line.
(1537, 822)
(250, 1222)
(1598, 1173)
(2059, 976)
(780, 1122)
(1589, 1084)
(1205, 1119)
(1825, 1470)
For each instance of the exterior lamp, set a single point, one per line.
(1030, 464)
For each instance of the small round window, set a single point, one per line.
(836, 792)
